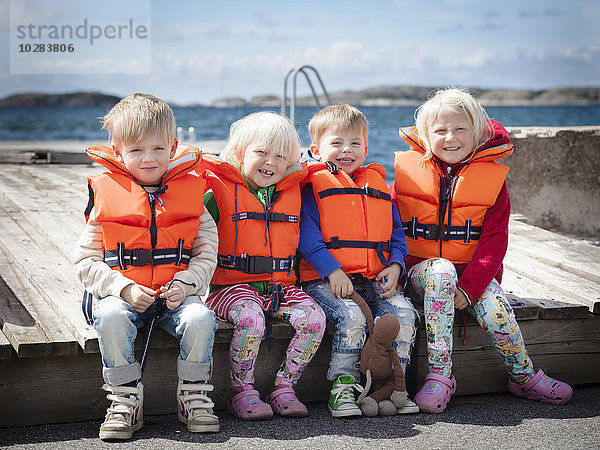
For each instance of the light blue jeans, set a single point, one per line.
(117, 325)
(351, 327)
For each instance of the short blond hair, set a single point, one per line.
(264, 129)
(427, 113)
(344, 117)
(138, 117)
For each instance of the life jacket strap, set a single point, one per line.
(139, 257)
(379, 246)
(265, 217)
(256, 264)
(367, 190)
(433, 232)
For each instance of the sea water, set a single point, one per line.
(211, 123)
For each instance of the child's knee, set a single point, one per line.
(198, 316)
(251, 317)
(353, 325)
(309, 318)
(440, 266)
(111, 313)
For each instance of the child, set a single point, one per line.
(454, 204)
(255, 200)
(351, 239)
(148, 238)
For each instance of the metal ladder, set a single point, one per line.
(294, 73)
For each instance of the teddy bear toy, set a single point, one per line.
(380, 364)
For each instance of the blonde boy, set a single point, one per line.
(351, 239)
(148, 241)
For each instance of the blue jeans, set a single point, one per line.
(351, 327)
(117, 324)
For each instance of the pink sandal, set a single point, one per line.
(435, 393)
(285, 403)
(543, 388)
(247, 405)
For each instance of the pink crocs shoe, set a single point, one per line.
(247, 405)
(543, 388)
(285, 403)
(435, 393)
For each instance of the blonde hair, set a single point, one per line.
(427, 113)
(137, 117)
(267, 130)
(344, 117)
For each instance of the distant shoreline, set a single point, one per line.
(375, 96)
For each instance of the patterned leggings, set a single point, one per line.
(246, 313)
(434, 282)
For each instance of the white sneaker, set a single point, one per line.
(125, 415)
(195, 408)
(409, 407)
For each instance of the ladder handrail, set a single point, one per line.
(295, 72)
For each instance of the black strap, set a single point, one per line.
(139, 257)
(367, 190)
(378, 246)
(432, 232)
(265, 217)
(87, 306)
(256, 264)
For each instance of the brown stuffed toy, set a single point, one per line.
(380, 363)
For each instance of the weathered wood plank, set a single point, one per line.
(29, 317)
(552, 309)
(575, 256)
(21, 330)
(576, 289)
(48, 271)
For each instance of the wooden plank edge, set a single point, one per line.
(5, 347)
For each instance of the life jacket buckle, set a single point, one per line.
(144, 257)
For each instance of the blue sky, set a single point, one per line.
(205, 50)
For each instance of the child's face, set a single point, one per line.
(347, 149)
(147, 160)
(263, 167)
(451, 135)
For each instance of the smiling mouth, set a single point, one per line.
(452, 149)
(266, 173)
(345, 160)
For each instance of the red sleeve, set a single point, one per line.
(486, 263)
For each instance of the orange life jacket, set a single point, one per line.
(254, 245)
(454, 232)
(356, 218)
(147, 236)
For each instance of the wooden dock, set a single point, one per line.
(50, 367)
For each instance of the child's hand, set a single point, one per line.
(391, 274)
(460, 300)
(140, 297)
(173, 296)
(340, 284)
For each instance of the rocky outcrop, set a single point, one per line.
(415, 95)
(72, 99)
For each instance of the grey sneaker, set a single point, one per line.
(125, 415)
(195, 408)
(341, 399)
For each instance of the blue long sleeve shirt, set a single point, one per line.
(312, 244)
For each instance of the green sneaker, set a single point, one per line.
(341, 400)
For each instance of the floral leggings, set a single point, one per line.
(434, 282)
(243, 307)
